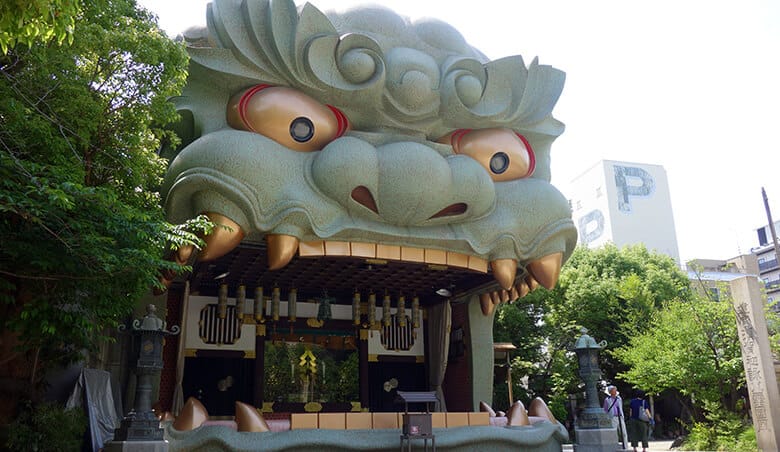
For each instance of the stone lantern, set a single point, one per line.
(140, 428)
(593, 430)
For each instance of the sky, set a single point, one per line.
(693, 86)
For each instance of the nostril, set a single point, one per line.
(363, 197)
(451, 210)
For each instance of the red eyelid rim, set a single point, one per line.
(343, 122)
(456, 137)
(341, 118)
(244, 100)
(460, 133)
(531, 155)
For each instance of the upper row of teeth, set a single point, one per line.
(282, 248)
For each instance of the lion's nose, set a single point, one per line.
(401, 183)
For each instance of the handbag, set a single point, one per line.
(643, 413)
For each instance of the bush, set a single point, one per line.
(47, 427)
(723, 431)
(557, 405)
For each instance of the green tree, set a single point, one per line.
(30, 21)
(82, 233)
(613, 292)
(539, 365)
(690, 348)
(519, 323)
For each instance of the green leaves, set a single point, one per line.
(82, 232)
(613, 292)
(32, 21)
(689, 346)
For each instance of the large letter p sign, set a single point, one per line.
(632, 181)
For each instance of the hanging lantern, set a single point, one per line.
(416, 312)
(400, 313)
(372, 309)
(386, 310)
(222, 301)
(356, 308)
(324, 312)
(240, 301)
(275, 304)
(292, 305)
(259, 304)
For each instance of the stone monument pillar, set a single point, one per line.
(757, 359)
(593, 431)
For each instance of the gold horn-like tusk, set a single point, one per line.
(539, 409)
(531, 282)
(193, 415)
(523, 289)
(486, 303)
(517, 415)
(183, 254)
(249, 420)
(281, 249)
(546, 270)
(224, 238)
(504, 271)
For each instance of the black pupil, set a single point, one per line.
(301, 129)
(499, 162)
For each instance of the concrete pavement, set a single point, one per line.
(655, 446)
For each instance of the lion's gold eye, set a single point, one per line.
(504, 153)
(286, 116)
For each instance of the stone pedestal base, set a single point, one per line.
(136, 446)
(596, 440)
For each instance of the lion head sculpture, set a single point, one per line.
(362, 128)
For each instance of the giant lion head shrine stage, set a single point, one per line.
(381, 187)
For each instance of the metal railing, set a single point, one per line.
(767, 265)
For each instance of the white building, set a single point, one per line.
(624, 203)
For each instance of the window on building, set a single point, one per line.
(714, 293)
(762, 239)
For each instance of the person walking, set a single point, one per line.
(639, 420)
(613, 405)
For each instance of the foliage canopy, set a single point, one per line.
(691, 347)
(30, 21)
(82, 233)
(611, 291)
